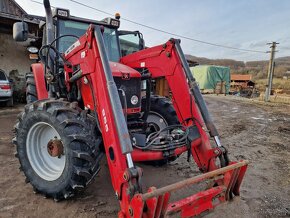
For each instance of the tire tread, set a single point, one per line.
(82, 141)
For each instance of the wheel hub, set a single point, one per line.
(55, 147)
(156, 122)
(45, 151)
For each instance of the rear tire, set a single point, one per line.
(31, 93)
(161, 115)
(57, 176)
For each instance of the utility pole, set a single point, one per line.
(270, 70)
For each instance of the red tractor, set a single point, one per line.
(86, 102)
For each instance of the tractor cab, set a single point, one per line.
(118, 43)
(64, 34)
(65, 24)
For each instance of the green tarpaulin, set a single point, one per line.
(212, 79)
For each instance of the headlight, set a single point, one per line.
(32, 49)
(134, 99)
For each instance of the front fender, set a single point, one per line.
(38, 73)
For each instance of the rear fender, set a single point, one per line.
(38, 73)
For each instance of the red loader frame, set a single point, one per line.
(99, 90)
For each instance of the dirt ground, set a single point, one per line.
(253, 131)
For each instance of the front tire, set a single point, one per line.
(161, 115)
(57, 147)
(31, 93)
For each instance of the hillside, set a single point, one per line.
(257, 68)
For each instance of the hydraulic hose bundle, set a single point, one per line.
(170, 137)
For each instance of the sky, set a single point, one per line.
(245, 24)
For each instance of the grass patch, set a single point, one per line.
(277, 84)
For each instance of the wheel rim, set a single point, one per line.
(46, 166)
(156, 122)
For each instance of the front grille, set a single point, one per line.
(131, 87)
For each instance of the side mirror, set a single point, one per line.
(20, 31)
(141, 43)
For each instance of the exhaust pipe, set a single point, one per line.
(49, 22)
(49, 39)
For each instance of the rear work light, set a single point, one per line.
(6, 86)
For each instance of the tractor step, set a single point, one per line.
(226, 183)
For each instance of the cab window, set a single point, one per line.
(129, 43)
(79, 29)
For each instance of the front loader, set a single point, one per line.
(92, 107)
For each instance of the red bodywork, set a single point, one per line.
(118, 70)
(38, 72)
(161, 61)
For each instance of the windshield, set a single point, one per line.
(79, 29)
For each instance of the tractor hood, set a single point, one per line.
(121, 70)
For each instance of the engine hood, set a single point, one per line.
(121, 70)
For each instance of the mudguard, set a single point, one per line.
(38, 73)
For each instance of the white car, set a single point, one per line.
(6, 90)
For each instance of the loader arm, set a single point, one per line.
(166, 61)
(99, 91)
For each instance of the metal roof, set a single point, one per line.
(241, 77)
(11, 12)
(11, 7)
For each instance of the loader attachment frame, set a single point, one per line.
(158, 204)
